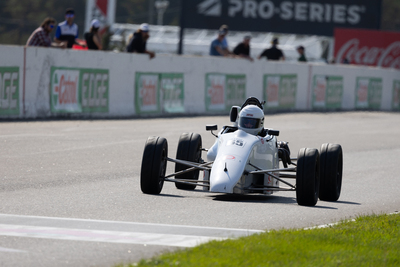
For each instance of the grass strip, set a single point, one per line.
(368, 241)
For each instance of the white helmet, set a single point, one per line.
(251, 119)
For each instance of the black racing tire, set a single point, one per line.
(331, 162)
(307, 177)
(154, 165)
(189, 149)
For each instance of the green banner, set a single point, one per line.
(147, 93)
(172, 88)
(280, 91)
(368, 93)
(396, 95)
(9, 91)
(327, 92)
(224, 91)
(76, 90)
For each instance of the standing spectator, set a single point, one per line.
(93, 40)
(243, 48)
(137, 44)
(219, 46)
(67, 30)
(41, 36)
(273, 53)
(301, 51)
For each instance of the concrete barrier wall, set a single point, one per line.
(70, 83)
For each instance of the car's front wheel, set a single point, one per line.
(154, 165)
(331, 161)
(307, 177)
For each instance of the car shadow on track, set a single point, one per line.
(255, 199)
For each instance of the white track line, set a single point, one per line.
(104, 236)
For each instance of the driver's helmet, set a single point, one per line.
(251, 119)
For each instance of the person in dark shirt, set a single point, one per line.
(273, 53)
(243, 49)
(302, 58)
(93, 40)
(137, 44)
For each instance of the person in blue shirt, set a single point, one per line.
(219, 46)
(67, 30)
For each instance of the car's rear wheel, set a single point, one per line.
(307, 177)
(331, 162)
(154, 165)
(189, 149)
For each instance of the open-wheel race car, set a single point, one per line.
(245, 159)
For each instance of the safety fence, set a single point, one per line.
(49, 83)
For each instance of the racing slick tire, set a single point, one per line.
(189, 149)
(307, 177)
(154, 165)
(331, 162)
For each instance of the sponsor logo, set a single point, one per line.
(229, 157)
(285, 10)
(64, 93)
(210, 8)
(249, 115)
(9, 91)
(376, 56)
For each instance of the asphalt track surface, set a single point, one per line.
(70, 192)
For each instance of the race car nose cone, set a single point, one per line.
(219, 187)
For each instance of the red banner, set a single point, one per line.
(367, 47)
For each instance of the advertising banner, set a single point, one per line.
(367, 47)
(172, 88)
(396, 95)
(159, 92)
(311, 17)
(224, 91)
(327, 92)
(368, 93)
(9, 91)
(147, 93)
(280, 91)
(75, 90)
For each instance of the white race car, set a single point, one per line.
(245, 159)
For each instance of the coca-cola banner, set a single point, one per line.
(367, 47)
(314, 17)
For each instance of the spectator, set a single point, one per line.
(243, 48)
(301, 51)
(219, 46)
(273, 53)
(93, 40)
(137, 44)
(41, 36)
(67, 30)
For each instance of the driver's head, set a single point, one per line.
(251, 119)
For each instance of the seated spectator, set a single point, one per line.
(301, 51)
(41, 36)
(137, 43)
(93, 40)
(243, 48)
(273, 53)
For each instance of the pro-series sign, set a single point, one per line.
(318, 17)
(79, 90)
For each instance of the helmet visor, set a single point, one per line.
(249, 123)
